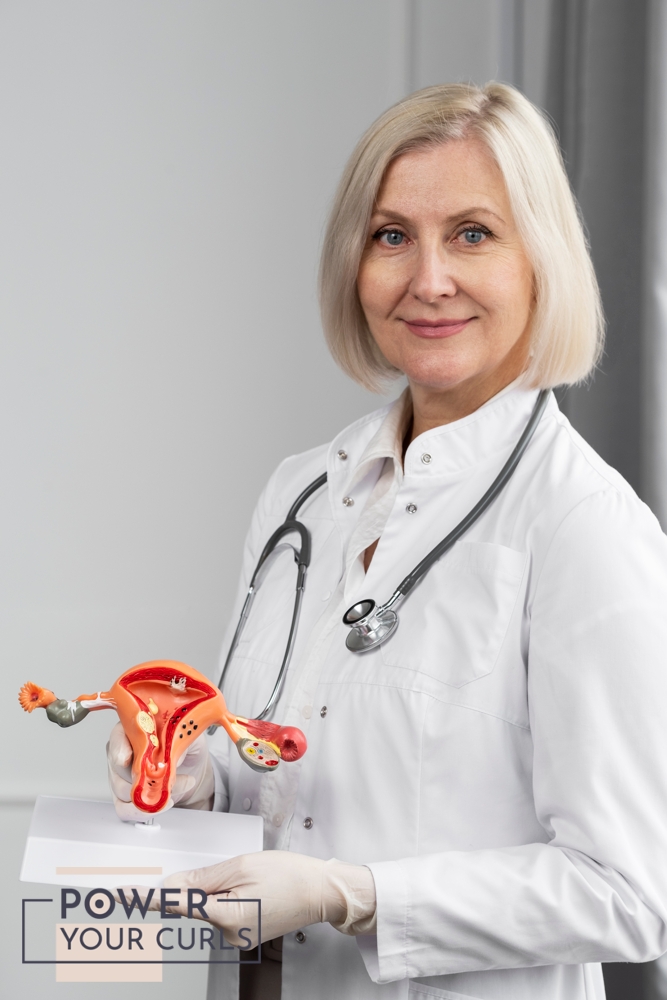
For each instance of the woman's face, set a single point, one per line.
(444, 281)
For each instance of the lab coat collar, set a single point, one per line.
(446, 450)
(387, 442)
(490, 431)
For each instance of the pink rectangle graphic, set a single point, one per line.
(112, 942)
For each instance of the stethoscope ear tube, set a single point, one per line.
(302, 558)
(288, 526)
(370, 624)
(305, 495)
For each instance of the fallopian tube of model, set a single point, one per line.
(164, 706)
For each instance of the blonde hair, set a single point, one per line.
(568, 326)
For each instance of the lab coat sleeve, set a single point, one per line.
(597, 688)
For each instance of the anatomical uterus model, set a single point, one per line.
(163, 707)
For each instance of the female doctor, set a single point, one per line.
(492, 780)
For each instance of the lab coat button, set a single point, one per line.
(342, 454)
(426, 458)
(278, 819)
(411, 508)
(307, 711)
(308, 823)
(246, 804)
(323, 711)
(299, 937)
(348, 501)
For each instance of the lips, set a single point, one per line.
(437, 329)
(164, 706)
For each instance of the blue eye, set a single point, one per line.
(473, 236)
(394, 237)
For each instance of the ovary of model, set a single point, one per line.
(164, 706)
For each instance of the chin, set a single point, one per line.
(439, 376)
(439, 364)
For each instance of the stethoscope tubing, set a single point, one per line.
(371, 624)
(303, 557)
(483, 504)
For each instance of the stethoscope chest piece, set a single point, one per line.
(369, 625)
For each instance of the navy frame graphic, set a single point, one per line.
(144, 961)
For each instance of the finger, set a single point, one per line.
(220, 878)
(183, 784)
(177, 903)
(221, 908)
(127, 811)
(232, 915)
(194, 751)
(121, 788)
(142, 891)
(119, 750)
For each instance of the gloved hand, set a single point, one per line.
(193, 787)
(295, 890)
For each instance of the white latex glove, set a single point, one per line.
(192, 788)
(295, 891)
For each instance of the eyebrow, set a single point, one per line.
(458, 217)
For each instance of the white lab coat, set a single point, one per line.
(501, 762)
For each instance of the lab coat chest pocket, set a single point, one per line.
(453, 624)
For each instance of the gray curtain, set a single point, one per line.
(654, 369)
(602, 96)
(596, 95)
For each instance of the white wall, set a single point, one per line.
(166, 170)
(480, 40)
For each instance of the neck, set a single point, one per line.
(435, 407)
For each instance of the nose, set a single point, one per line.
(433, 275)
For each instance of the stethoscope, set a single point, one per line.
(370, 623)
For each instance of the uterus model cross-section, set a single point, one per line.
(164, 706)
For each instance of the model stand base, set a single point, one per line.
(81, 842)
